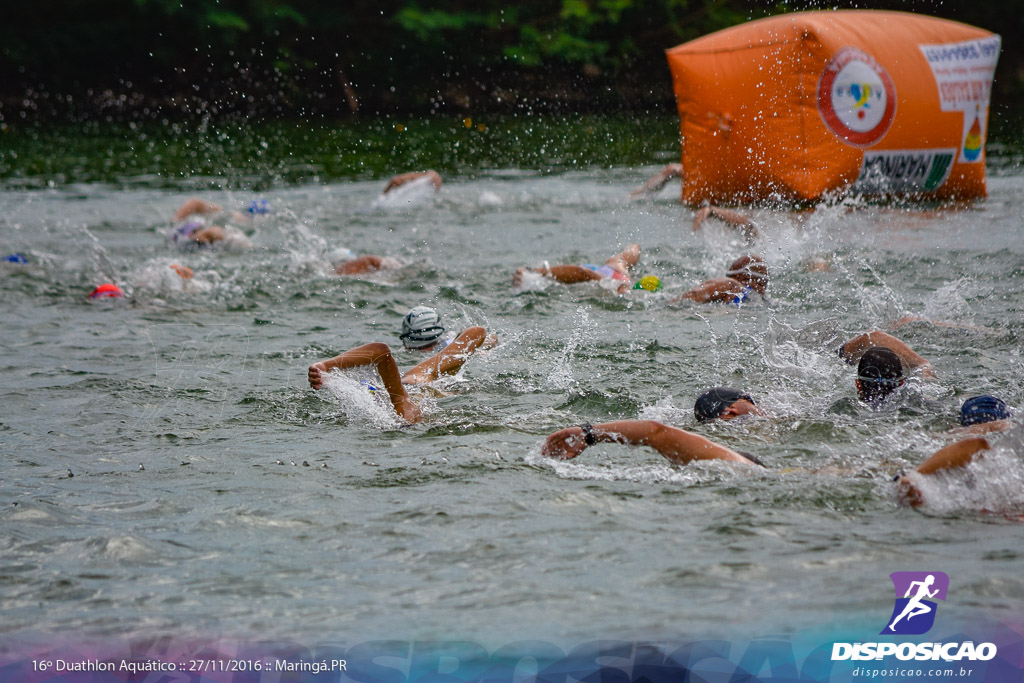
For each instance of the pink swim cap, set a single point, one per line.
(107, 290)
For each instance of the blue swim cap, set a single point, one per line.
(981, 409)
(16, 258)
(259, 206)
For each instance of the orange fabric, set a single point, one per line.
(801, 105)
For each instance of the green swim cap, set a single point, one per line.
(649, 282)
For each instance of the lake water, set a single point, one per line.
(215, 494)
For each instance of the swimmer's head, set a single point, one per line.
(722, 402)
(341, 255)
(258, 206)
(107, 290)
(16, 258)
(981, 409)
(649, 282)
(421, 327)
(879, 374)
(751, 270)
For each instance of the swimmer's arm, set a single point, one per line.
(856, 347)
(745, 223)
(715, 290)
(568, 274)
(983, 428)
(404, 178)
(658, 181)
(360, 264)
(376, 354)
(450, 359)
(208, 235)
(379, 356)
(194, 206)
(954, 455)
(674, 444)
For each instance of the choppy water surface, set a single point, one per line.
(215, 493)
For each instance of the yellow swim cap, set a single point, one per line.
(649, 282)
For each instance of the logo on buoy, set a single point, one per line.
(973, 141)
(856, 98)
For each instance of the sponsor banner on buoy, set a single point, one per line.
(907, 171)
(963, 74)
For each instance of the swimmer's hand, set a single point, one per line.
(420, 375)
(316, 375)
(565, 444)
(702, 215)
(183, 271)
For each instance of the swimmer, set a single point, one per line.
(984, 414)
(853, 350)
(368, 263)
(685, 447)
(402, 179)
(723, 403)
(674, 444)
(378, 355)
(656, 182)
(617, 268)
(745, 225)
(192, 230)
(879, 375)
(746, 279)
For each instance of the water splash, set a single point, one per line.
(357, 403)
(561, 374)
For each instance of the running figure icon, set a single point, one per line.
(915, 607)
(919, 590)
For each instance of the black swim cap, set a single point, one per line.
(880, 373)
(712, 402)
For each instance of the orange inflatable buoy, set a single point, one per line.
(798, 106)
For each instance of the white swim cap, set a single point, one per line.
(340, 255)
(421, 327)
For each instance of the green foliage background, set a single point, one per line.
(301, 58)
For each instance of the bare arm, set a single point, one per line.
(451, 358)
(948, 457)
(361, 264)
(749, 228)
(194, 206)
(675, 444)
(856, 347)
(567, 274)
(954, 455)
(658, 181)
(379, 356)
(984, 428)
(208, 235)
(404, 178)
(715, 290)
